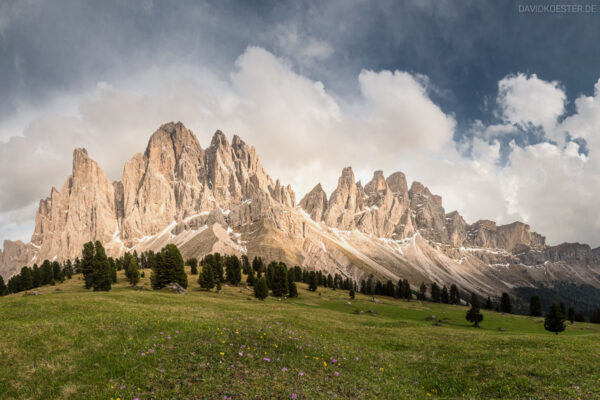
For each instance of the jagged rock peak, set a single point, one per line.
(377, 184)
(315, 203)
(172, 136)
(397, 182)
(219, 139)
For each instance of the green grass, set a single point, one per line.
(78, 344)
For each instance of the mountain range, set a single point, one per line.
(221, 199)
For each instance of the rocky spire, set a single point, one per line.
(315, 203)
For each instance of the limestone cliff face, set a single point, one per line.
(221, 199)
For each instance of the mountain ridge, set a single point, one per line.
(221, 199)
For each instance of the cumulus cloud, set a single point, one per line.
(304, 133)
(527, 100)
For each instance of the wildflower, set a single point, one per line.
(294, 396)
(334, 360)
(284, 369)
(324, 363)
(221, 353)
(241, 354)
(143, 354)
(300, 348)
(301, 373)
(267, 359)
(151, 351)
(161, 333)
(162, 370)
(336, 373)
(176, 331)
(356, 358)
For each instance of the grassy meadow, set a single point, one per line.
(126, 344)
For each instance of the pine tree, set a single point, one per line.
(535, 306)
(555, 319)
(488, 304)
(505, 305)
(26, 279)
(14, 284)
(131, 269)
(245, 264)
(87, 265)
(233, 269)
(474, 314)
(250, 279)
(279, 280)
(3, 288)
(571, 315)
(351, 294)
(113, 269)
(101, 275)
(445, 295)
(422, 295)
(292, 289)
(168, 268)
(389, 289)
(454, 294)
(57, 272)
(36, 276)
(270, 273)
(363, 287)
(329, 281)
(436, 294)
(193, 263)
(312, 281)
(261, 291)
(207, 278)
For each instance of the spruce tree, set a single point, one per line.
(474, 314)
(193, 263)
(445, 295)
(207, 278)
(505, 305)
(407, 292)
(168, 268)
(363, 287)
(101, 275)
(571, 315)
(279, 280)
(26, 279)
(36, 276)
(436, 294)
(87, 265)
(312, 281)
(535, 306)
(3, 288)
(245, 264)
(454, 294)
(292, 289)
(14, 284)
(270, 273)
(57, 272)
(233, 269)
(555, 319)
(488, 304)
(261, 291)
(131, 269)
(113, 269)
(422, 295)
(351, 294)
(250, 279)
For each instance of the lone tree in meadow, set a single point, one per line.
(505, 305)
(261, 291)
(535, 306)
(312, 281)
(168, 268)
(555, 319)
(207, 277)
(474, 314)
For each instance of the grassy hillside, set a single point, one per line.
(126, 344)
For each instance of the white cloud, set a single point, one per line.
(525, 100)
(305, 134)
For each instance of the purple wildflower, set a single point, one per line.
(294, 396)
(334, 360)
(267, 359)
(284, 369)
(143, 354)
(336, 373)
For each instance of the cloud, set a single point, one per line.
(304, 133)
(527, 100)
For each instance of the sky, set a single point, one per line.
(495, 108)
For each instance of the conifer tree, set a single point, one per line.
(363, 287)
(555, 319)
(14, 284)
(168, 268)
(407, 292)
(454, 294)
(87, 265)
(251, 278)
(399, 293)
(312, 281)
(57, 272)
(207, 278)
(436, 294)
(571, 315)
(474, 314)
(261, 291)
(101, 275)
(113, 269)
(489, 304)
(3, 288)
(422, 295)
(445, 295)
(563, 308)
(329, 281)
(131, 269)
(535, 306)
(292, 288)
(245, 264)
(389, 289)
(193, 263)
(351, 293)
(26, 279)
(279, 280)
(505, 305)
(270, 273)
(233, 269)
(36, 276)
